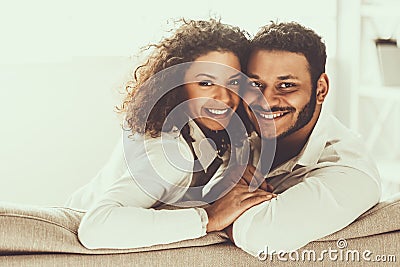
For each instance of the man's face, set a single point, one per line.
(287, 101)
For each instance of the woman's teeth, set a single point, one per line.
(271, 116)
(217, 111)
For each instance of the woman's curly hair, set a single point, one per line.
(143, 112)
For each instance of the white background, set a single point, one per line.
(63, 67)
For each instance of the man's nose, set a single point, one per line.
(268, 98)
(265, 98)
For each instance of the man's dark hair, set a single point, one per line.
(293, 37)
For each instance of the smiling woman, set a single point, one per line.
(216, 94)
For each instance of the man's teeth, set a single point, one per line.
(271, 116)
(217, 111)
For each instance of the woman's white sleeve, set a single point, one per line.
(124, 217)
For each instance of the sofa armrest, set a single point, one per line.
(382, 218)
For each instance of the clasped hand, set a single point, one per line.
(241, 196)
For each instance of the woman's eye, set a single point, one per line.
(205, 83)
(234, 82)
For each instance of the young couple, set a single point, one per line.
(275, 171)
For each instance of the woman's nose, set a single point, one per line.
(224, 94)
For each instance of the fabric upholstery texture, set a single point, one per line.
(26, 232)
(222, 254)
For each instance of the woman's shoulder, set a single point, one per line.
(163, 143)
(168, 156)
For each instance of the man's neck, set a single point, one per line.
(291, 145)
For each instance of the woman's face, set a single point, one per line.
(212, 86)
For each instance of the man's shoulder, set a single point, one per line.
(344, 147)
(332, 127)
(332, 141)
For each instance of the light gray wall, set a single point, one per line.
(62, 64)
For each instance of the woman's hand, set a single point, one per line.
(227, 209)
(229, 232)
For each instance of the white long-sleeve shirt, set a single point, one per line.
(323, 189)
(142, 173)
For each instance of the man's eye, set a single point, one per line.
(205, 83)
(234, 82)
(286, 85)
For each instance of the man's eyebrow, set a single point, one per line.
(206, 75)
(287, 77)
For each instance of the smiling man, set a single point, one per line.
(320, 170)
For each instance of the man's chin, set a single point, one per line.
(274, 136)
(269, 133)
(268, 137)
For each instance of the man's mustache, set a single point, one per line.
(272, 109)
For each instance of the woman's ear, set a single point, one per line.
(322, 88)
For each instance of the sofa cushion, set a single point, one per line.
(30, 229)
(226, 254)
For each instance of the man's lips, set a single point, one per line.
(270, 115)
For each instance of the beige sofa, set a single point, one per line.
(36, 236)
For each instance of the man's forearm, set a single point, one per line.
(321, 205)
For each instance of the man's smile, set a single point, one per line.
(271, 115)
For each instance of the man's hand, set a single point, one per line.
(227, 209)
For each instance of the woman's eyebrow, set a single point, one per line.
(235, 75)
(206, 75)
(213, 77)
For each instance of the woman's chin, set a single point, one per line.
(213, 124)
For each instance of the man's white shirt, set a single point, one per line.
(320, 191)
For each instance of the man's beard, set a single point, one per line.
(305, 116)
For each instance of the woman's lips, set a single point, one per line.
(217, 113)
